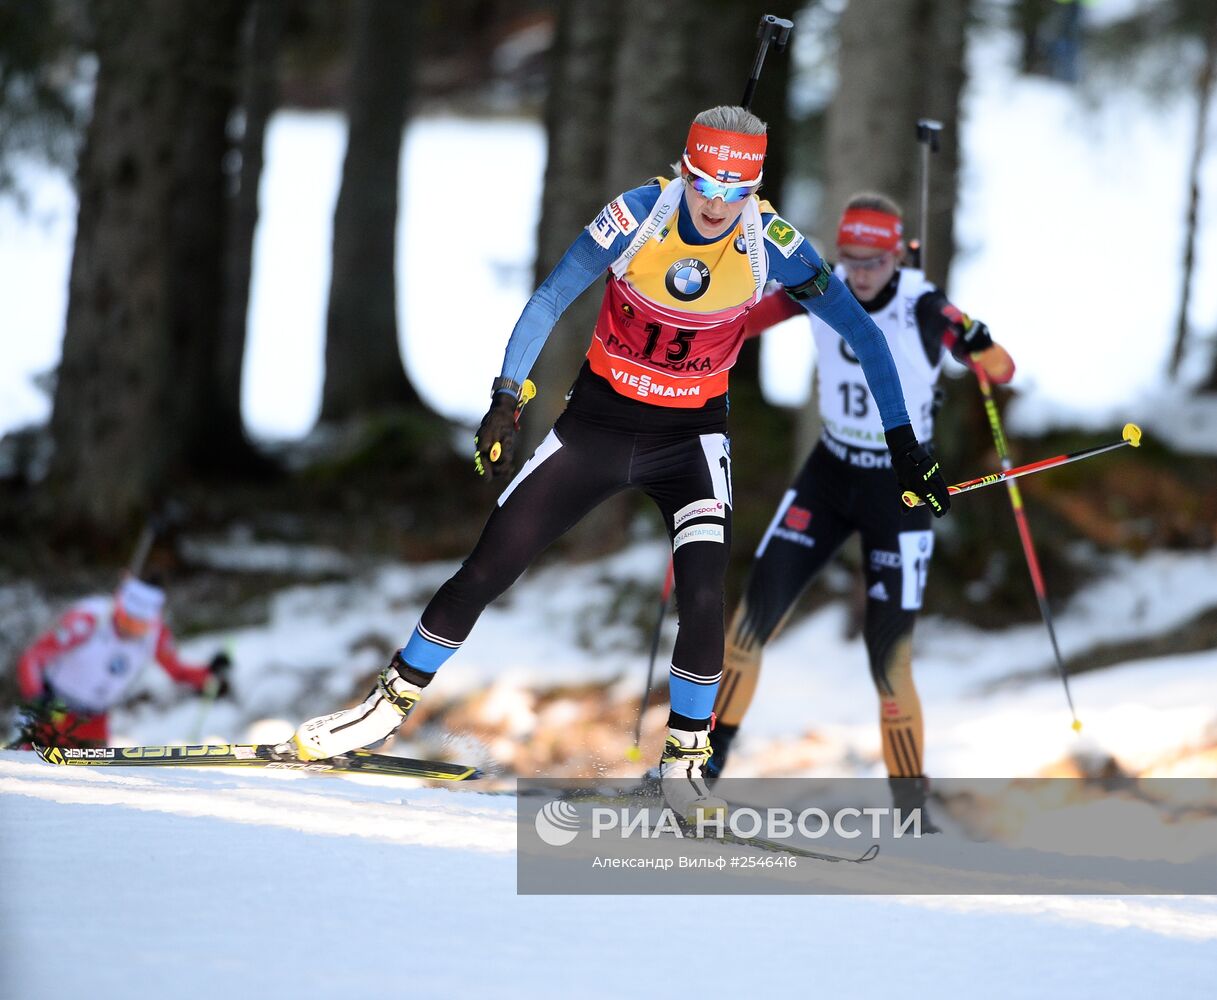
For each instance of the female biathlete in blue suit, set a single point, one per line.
(686, 260)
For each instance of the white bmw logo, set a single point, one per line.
(687, 279)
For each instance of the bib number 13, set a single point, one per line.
(854, 398)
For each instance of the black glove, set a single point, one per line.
(495, 438)
(220, 667)
(974, 336)
(917, 470)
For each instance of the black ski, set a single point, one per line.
(762, 844)
(256, 755)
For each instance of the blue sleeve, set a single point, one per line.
(839, 309)
(584, 261)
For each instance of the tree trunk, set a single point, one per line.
(1204, 93)
(576, 187)
(897, 63)
(262, 30)
(145, 284)
(199, 212)
(364, 372)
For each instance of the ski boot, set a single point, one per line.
(721, 738)
(375, 719)
(685, 754)
(909, 795)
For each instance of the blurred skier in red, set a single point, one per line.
(73, 674)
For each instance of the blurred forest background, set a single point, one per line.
(161, 110)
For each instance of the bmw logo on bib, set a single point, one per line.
(687, 279)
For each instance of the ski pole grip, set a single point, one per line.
(911, 499)
(929, 131)
(772, 29)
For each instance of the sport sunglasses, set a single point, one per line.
(729, 192)
(863, 263)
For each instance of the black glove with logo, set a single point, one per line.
(917, 470)
(496, 436)
(974, 336)
(220, 667)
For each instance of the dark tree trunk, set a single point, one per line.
(364, 372)
(576, 187)
(898, 63)
(146, 282)
(199, 211)
(656, 94)
(943, 49)
(262, 30)
(1204, 93)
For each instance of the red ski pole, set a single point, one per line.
(1132, 436)
(1024, 532)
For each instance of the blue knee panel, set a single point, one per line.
(424, 655)
(694, 700)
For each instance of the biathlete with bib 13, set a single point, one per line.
(848, 484)
(684, 262)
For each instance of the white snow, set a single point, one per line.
(198, 884)
(237, 850)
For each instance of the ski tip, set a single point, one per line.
(52, 755)
(872, 852)
(634, 754)
(1077, 725)
(1132, 434)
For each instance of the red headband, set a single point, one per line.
(726, 157)
(868, 227)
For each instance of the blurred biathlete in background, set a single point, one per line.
(848, 485)
(686, 260)
(72, 675)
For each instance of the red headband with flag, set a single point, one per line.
(726, 157)
(868, 227)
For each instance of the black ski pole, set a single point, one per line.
(929, 133)
(665, 598)
(143, 546)
(773, 31)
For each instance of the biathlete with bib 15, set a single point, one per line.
(684, 261)
(848, 484)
